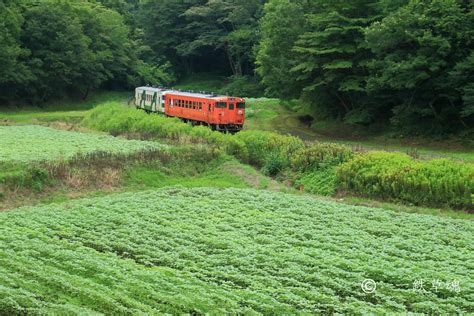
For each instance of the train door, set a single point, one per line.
(231, 117)
(143, 100)
(137, 98)
(153, 107)
(208, 109)
(163, 102)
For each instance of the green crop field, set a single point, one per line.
(20, 144)
(180, 250)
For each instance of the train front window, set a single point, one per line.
(221, 105)
(240, 105)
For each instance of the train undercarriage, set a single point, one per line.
(225, 128)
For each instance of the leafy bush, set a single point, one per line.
(322, 181)
(320, 155)
(262, 145)
(114, 118)
(274, 164)
(397, 176)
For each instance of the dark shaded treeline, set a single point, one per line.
(407, 63)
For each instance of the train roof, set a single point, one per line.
(151, 89)
(183, 93)
(192, 94)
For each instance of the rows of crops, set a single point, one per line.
(37, 143)
(198, 250)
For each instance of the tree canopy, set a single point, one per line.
(404, 63)
(408, 63)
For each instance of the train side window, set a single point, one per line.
(209, 108)
(194, 105)
(221, 105)
(200, 106)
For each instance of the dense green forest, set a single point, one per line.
(404, 63)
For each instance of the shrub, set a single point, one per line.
(274, 164)
(320, 155)
(397, 176)
(261, 145)
(115, 119)
(322, 181)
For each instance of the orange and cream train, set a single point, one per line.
(221, 113)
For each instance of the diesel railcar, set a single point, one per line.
(221, 113)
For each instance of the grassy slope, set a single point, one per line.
(225, 172)
(196, 250)
(69, 111)
(272, 115)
